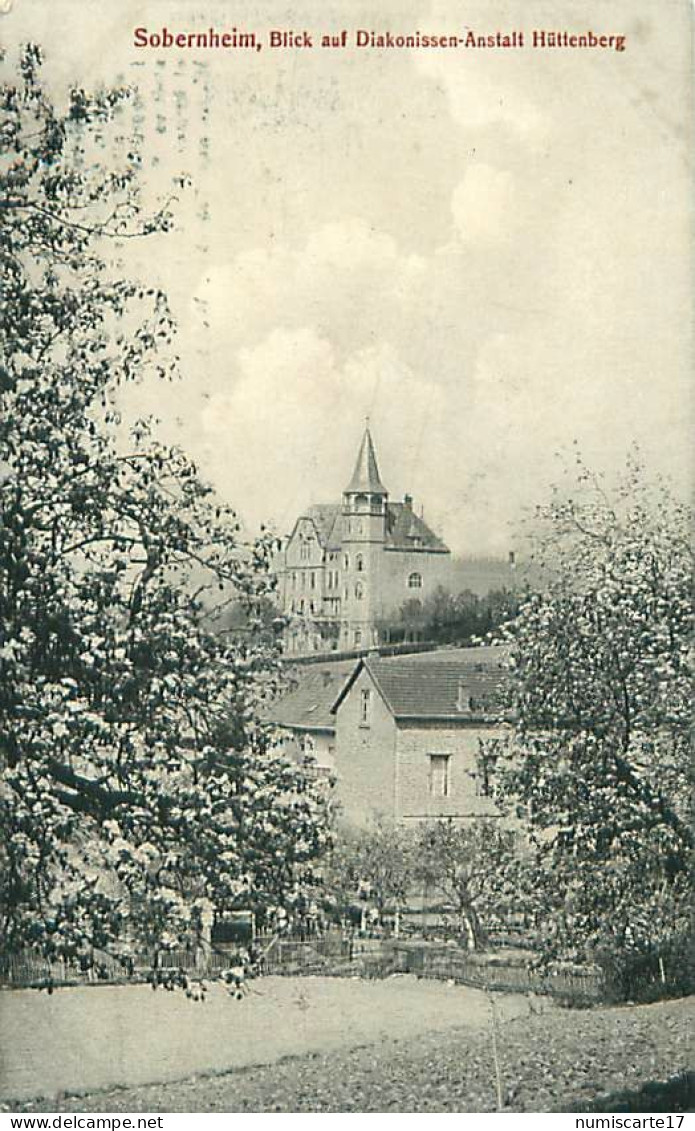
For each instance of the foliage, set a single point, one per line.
(474, 867)
(138, 787)
(600, 767)
(450, 618)
(375, 863)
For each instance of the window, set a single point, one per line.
(415, 581)
(346, 561)
(359, 591)
(365, 705)
(359, 563)
(356, 525)
(439, 775)
(358, 636)
(313, 580)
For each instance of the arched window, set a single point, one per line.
(359, 591)
(415, 581)
(359, 563)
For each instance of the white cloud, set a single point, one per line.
(483, 204)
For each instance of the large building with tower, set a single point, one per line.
(346, 566)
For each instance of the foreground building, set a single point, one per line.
(402, 736)
(347, 565)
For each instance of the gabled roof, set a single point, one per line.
(326, 519)
(308, 705)
(459, 684)
(406, 531)
(366, 477)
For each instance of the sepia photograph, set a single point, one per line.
(346, 560)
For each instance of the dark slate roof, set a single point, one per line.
(461, 684)
(326, 519)
(366, 476)
(405, 531)
(425, 685)
(308, 705)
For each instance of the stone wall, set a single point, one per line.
(415, 744)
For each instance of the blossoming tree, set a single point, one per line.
(137, 785)
(600, 768)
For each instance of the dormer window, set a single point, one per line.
(464, 700)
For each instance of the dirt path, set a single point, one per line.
(88, 1038)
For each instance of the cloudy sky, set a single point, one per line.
(487, 253)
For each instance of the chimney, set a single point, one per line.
(408, 501)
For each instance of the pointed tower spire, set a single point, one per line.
(365, 477)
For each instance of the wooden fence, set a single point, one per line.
(331, 953)
(518, 975)
(30, 968)
(291, 955)
(279, 956)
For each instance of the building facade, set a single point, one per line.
(402, 736)
(347, 565)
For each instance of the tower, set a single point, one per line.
(364, 511)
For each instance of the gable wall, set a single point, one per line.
(365, 756)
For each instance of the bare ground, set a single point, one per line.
(415, 1056)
